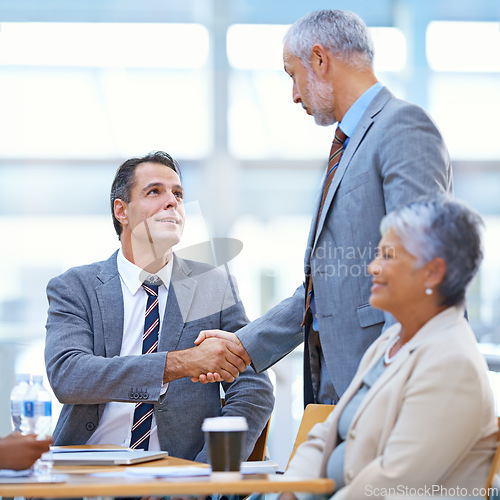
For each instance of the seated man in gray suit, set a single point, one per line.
(120, 348)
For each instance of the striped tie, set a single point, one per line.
(143, 414)
(333, 162)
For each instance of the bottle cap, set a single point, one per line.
(23, 377)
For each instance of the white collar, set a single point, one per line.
(133, 276)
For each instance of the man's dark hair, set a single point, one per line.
(124, 180)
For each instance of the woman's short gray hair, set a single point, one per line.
(341, 31)
(445, 228)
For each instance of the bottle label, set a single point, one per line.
(15, 408)
(43, 408)
(29, 409)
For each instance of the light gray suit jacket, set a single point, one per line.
(395, 155)
(85, 370)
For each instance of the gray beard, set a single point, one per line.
(321, 101)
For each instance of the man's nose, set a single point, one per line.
(295, 95)
(170, 200)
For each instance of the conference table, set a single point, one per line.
(80, 481)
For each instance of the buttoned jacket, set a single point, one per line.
(395, 155)
(85, 369)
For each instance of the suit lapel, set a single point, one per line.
(180, 297)
(110, 299)
(438, 323)
(360, 131)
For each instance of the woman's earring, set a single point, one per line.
(428, 291)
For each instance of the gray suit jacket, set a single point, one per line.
(85, 370)
(395, 155)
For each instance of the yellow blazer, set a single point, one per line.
(428, 421)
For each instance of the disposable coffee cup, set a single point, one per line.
(225, 439)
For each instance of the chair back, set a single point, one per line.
(495, 465)
(259, 450)
(313, 414)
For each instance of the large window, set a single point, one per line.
(77, 98)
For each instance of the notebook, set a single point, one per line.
(122, 457)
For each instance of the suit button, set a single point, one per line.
(349, 474)
(145, 396)
(90, 426)
(131, 395)
(352, 433)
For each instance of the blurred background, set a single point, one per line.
(88, 83)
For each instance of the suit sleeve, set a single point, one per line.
(276, 333)
(251, 394)
(413, 158)
(76, 373)
(443, 400)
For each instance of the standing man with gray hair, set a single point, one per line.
(386, 153)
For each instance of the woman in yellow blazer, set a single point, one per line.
(418, 417)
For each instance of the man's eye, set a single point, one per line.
(152, 191)
(179, 194)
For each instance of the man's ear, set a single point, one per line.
(120, 209)
(319, 59)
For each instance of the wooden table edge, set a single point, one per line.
(88, 486)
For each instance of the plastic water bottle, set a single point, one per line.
(36, 416)
(17, 399)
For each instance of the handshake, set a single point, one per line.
(228, 352)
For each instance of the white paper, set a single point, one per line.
(15, 473)
(186, 471)
(259, 467)
(65, 449)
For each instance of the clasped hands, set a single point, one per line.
(236, 358)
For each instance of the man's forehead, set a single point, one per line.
(290, 60)
(151, 174)
(152, 169)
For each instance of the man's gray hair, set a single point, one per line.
(340, 31)
(445, 228)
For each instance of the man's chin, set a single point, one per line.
(324, 121)
(157, 245)
(164, 244)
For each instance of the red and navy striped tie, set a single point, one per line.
(143, 414)
(333, 162)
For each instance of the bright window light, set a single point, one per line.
(256, 46)
(260, 46)
(390, 49)
(463, 46)
(130, 45)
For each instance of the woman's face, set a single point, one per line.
(397, 283)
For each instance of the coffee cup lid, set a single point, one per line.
(224, 424)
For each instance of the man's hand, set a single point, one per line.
(209, 377)
(287, 496)
(215, 356)
(20, 452)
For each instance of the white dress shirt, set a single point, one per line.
(115, 426)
